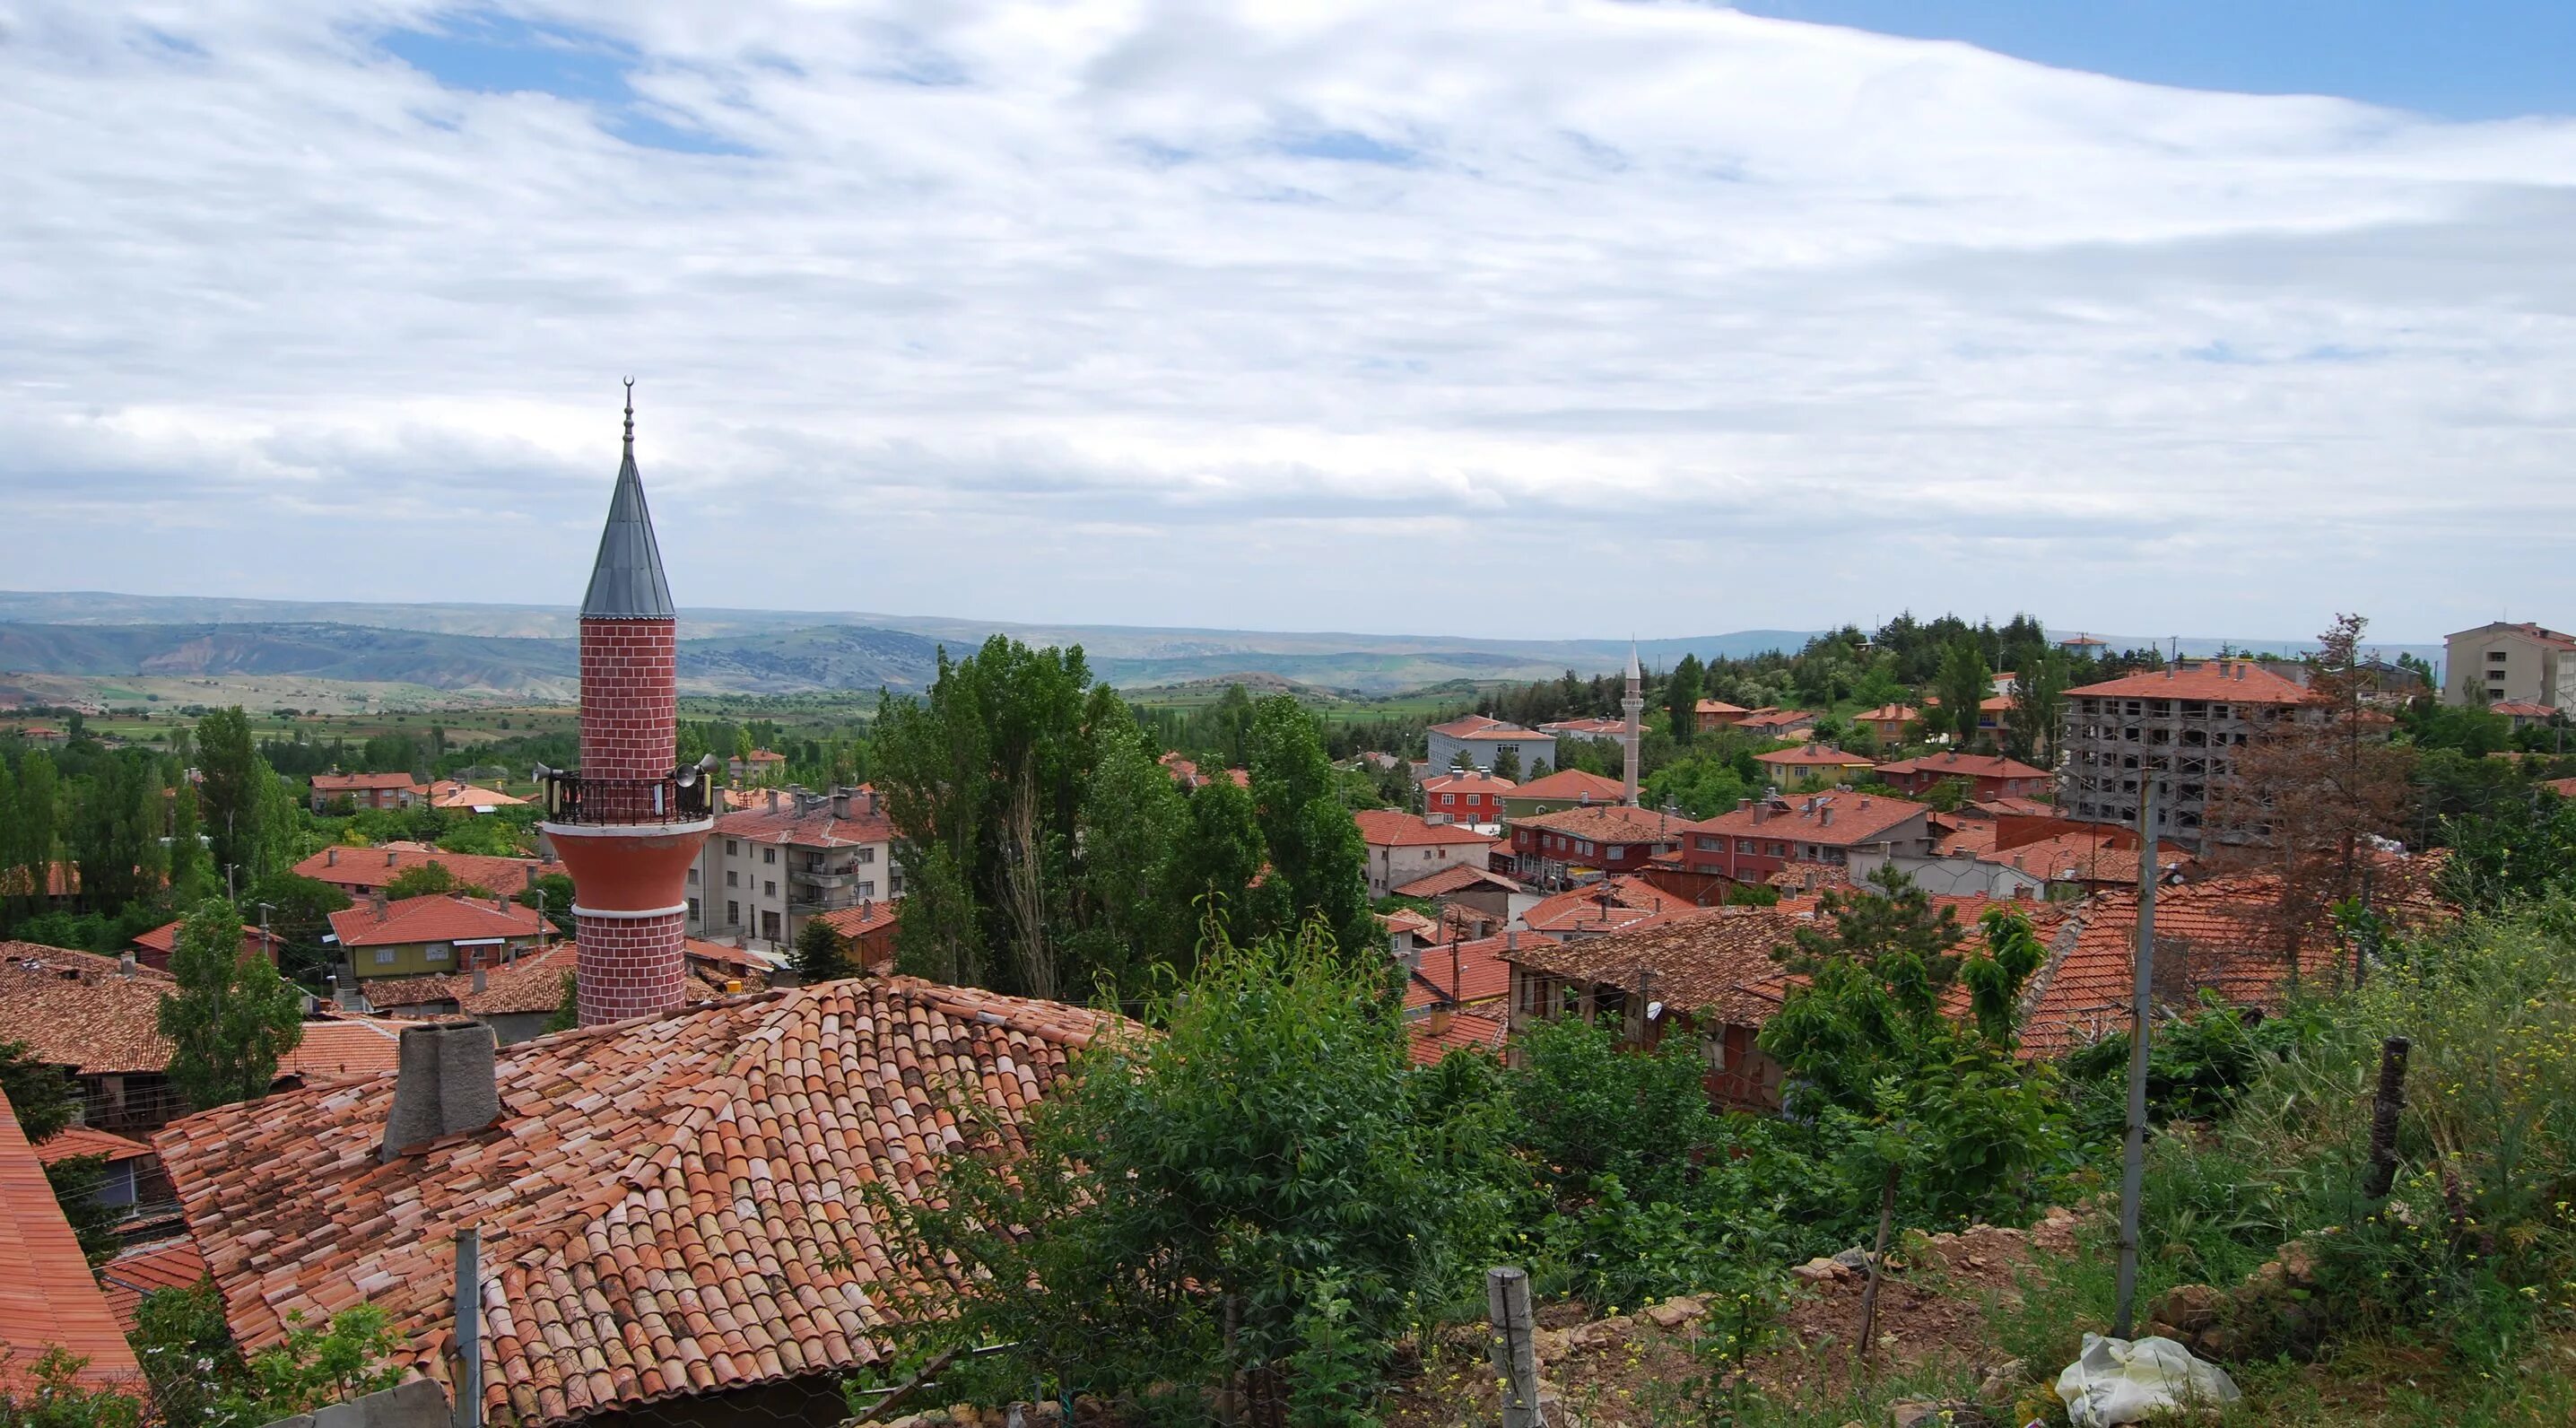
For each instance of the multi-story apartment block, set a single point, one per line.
(767, 869)
(2182, 726)
(2510, 662)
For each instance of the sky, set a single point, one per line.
(1539, 318)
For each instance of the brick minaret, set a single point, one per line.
(628, 825)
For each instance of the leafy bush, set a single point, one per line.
(48, 1393)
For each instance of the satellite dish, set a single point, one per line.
(1654, 1010)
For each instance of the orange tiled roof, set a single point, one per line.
(2563, 787)
(1998, 807)
(1889, 714)
(375, 867)
(815, 827)
(533, 983)
(1718, 706)
(47, 1297)
(1857, 818)
(124, 1280)
(858, 921)
(1608, 823)
(342, 1046)
(1454, 878)
(1973, 836)
(1460, 973)
(1720, 960)
(62, 879)
(1477, 726)
(1610, 903)
(1393, 828)
(2234, 680)
(1813, 756)
(1467, 781)
(362, 782)
(73, 1142)
(79, 1010)
(669, 1205)
(1573, 784)
(165, 938)
(455, 793)
(435, 917)
(1466, 1029)
(1958, 765)
(1761, 719)
(2521, 709)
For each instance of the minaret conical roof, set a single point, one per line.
(626, 582)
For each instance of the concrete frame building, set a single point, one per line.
(2181, 726)
(2503, 663)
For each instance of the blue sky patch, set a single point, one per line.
(488, 53)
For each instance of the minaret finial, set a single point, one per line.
(630, 416)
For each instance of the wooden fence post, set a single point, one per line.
(1515, 1348)
(2384, 1110)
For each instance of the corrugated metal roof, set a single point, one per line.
(626, 582)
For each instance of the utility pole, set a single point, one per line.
(2133, 1152)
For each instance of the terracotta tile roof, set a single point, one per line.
(436, 917)
(1460, 973)
(2521, 709)
(1718, 706)
(2221, 935)
(1813, 756)
(2086, 854)
(342, 1046)
(1467, 781)
(2234, 681)
(1405, 919)
(1586, 728)
(533, 983)
(1974, 836)
(375, 867)
(764, 756)
(1610, 903)
(1455, 878)
(1889, 714)
(1467, 1029)
(78, 1010)
(1573, 785)
(815, 827)
(860, 920)
(1392, 828)
(1720, 960)
(454, 793)
(670, 1205)
(739, 961)
(362, 782)
(1999, 807)
(1761, 719)
(1958, 765)
(2563, 787)
(73, 1142)
(1856, 818)
(1608, 823)
(62, 879)
(47, 1297)
(124, 1280)
(1477, 726)
(164, 940)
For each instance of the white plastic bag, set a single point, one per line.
(2124, 1380)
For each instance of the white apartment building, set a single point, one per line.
(765, 870)
(2500, 661)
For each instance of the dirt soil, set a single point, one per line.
(1631, 1371)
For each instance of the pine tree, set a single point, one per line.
(820, 955)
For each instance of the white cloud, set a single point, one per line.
(1270, 314)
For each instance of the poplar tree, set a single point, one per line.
(232, 1017)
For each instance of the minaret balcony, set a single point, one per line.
(683, 796)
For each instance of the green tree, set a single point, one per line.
(820, 954)
(551, 893)
(427, 880)
(2038, 713)
(567, 1005)
(115, 831)
(193, 878)
(76, 1181)
(42, 1097)
(231, 1018)
(1964, 683)
(1316, 852)
(31, 839)
(1266, 1188)
(233, 779)
(1214, 864)
(299, 912)
(1132, 823)
(50, 1393)
(1681, 699)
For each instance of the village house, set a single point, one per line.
(153, 948)
(1812, 765)
(1609, 905)
(1760, 837)
(605, 1170)
(1771, 723)
(1988, 776)
(1475, 900)
(366, 790)
(766, 870)
(435, 933)
(1605, 730)
(2521, 714)
(1565, 788)
(1405, 847)
(131, 1183)
(868, 929)
(759, 768)
(359, 871)
(1471, 796)
(2182, 726)
(1710, 715)
(1482, 741)
(458, 796)
(1455, 999)
(1187, 775)
(1890, 724)
(1709, 978)
(1551, 849)
(515, 996)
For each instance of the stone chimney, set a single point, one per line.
(331, 857)
(773, 800)
(531, 871)
(445, 1085)
(391, 857)
(376, 901)
(480, 982)
(841, 804)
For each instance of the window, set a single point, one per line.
(384, 956)
(733, 913)
(867, 890)
(2495, 656)
(693, 875)
(769, 889)
(733, 879)
(1448, 799)
(865, 855)
(1744, 845)
(769, 855)
(895, 888)
(435, 952)
(732, 847)
(693, 909)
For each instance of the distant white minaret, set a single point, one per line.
(1634, 706)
